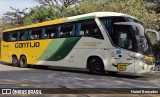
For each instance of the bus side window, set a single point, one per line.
(89, 28)
(23, 35)
(78, 30)
(6, 36)
(50, 32)
(67, 30)
(36, 33)
(13, 36)
(30, 34)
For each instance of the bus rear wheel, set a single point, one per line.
(15, 61)
(23, 62)
(96, 66)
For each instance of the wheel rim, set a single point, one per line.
(14, 61)
(97, 66)
(22, 62)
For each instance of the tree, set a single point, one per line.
(40, 14)
(66, 3)
(155, 5)
(53, 9)
(60, 6)
(136, 8)
(15, 17)
(50, 10)
(4, 25)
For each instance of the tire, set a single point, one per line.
(23, 62)
(96, 66)
(15, 61)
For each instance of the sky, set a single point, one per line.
(18, 4)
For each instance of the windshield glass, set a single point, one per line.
(126, 36)
(144, 46)
(143, 43)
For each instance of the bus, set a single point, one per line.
(100, 42)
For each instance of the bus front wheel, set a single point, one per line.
(15, 61)
(96, 66)
(23, 62)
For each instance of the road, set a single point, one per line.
(14, 77)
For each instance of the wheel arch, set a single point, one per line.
(90, 58)
(23, 55)
(14, 55)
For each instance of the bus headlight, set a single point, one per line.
(149, 59)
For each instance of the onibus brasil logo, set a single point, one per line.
(21, 91)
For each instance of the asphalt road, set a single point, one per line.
(14, 77)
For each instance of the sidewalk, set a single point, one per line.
(5, 67)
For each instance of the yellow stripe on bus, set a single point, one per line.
(47, 23)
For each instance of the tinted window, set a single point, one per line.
(134, 20)
(36, 33)
(13, 36)
(50, 32)
(67, 30)
(89, 28)
(5, 36)
(108, 23)
(124, 38)
(23, 35)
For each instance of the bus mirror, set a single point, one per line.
(139, 26)
(153, 31)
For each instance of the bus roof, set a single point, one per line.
(69, 19)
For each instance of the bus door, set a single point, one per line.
(122, 58)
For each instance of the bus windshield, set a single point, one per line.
(127, 36)
(143, 43)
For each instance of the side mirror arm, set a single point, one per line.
(157, 34)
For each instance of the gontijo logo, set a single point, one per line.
(27, 45)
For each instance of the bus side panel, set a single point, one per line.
(74, 59)
(95, 47)
(122, 60)
(59, 51)
(5, 52)
(140, 65)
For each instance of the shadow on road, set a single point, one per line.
(2, 63)
(82, 71)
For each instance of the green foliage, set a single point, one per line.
(4, 25)
(50, 10)
(40, 14)
(15, 17)
(156, 48)
(144, 10)
(136, 8)
(156, 5)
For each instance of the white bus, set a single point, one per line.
(100, 41)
